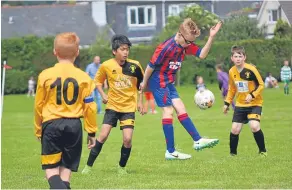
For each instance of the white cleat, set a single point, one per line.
(176, 156)
(205, 143)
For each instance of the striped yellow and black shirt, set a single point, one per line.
(123, 83)
(248, 81)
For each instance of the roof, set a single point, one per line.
(222, 8)
(287, 8)
(147, 1)
(47, 20)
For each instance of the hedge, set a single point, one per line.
(30, 55)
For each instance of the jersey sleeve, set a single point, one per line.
(260, 84)
(89, 109)
(38, 106)
(193, 49)
(139, 75)
(231, 90)
(100, 76)
(158, 56)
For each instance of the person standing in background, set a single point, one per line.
(91, 70)
(149, 101)
(223, 79)
(286, 76)
(31, 87)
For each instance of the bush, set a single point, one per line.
(30, 55)
(17, 81)
(283, 30)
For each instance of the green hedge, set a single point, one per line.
(30, 55)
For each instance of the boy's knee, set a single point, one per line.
(167, 112)
(127, 142)
(255, 127)
(236, 128)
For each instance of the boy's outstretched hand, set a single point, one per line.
(215, 29)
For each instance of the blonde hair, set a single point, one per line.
(190, 27)
(66, 45)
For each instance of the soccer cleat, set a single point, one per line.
(176, 156)
(86, 170)
(205, 143)
(122, 170)
(232, 154)
(263, 154)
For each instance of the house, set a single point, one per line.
(49, 20)
(140, 20)
(271, 12)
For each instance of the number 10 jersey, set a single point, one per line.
(64, 91)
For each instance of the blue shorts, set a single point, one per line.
(163, 96)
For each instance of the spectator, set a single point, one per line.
(149, 101)
(200, 84)
(271, 82)
(31, 87)
(91, 70)
(286, 76)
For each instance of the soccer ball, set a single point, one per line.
(204, 99)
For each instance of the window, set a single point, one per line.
(173, 10)
(273, 15)
(141, 15)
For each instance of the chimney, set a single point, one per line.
(10, 20)
(98, 11)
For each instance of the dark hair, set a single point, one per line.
(237, 49)
(118, 40)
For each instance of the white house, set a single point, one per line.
(271, 12)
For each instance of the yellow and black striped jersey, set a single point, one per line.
(123, 83)
(248, 81)
(64, 91)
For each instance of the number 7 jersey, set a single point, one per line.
(64, 91)
(248, 81)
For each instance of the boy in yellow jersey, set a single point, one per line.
(124, 77)
(62, 98)
(245, 80)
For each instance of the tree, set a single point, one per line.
(101, 47)
(240, 28)
(283, 30)
(203, 18)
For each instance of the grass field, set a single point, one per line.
(211, 168)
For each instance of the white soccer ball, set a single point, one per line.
(204, 99)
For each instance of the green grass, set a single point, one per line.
(211, 168)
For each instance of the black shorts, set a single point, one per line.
(127, 120)
(245, 114)
(61, 143)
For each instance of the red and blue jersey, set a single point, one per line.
(166, 61)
